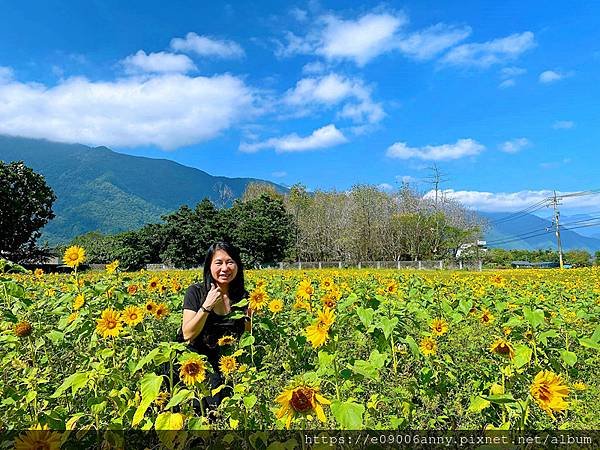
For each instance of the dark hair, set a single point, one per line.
(236, 287)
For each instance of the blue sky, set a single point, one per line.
(501, 96)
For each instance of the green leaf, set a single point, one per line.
(568, 357)
(75, 382)
(514, 322)
(543, 337)
(246, 341)
(146, 359)
(180, 396)
(414, 348)
(56, 337)
(590, 343)
(378, 359)
(596, 335)
(522, 355)
(465, 306)
(250, 401)
(169, 421)
(478, 404)
(348, 414)
(500, 399)
(366, 369)
(150, 387)
(365, 315)
(535, 318)
(387, 325)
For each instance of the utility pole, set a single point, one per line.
(557, 224)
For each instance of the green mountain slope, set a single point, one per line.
(99, 189)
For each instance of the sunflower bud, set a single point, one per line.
(23, 329)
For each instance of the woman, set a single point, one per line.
(208, 310)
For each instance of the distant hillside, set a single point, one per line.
(99, 189)
(536, 237)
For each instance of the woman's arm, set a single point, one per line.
(194, 320)
(193, 323)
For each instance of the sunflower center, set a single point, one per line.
(193, 369)
(110, 324)
(544, 393)
(302, 399)
(40, 445)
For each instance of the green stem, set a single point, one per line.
(337, 372)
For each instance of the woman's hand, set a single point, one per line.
(213, 297)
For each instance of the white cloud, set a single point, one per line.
(385, 187)
(515, 145)
(514, 201)
(206, 46)
(160, 62)
(360, 40)
(427, 43)
(279, 174)
(314, 67)
(168, 111)
(563, 125)
(6, 74)
(328, 136)
(405, 179)
(511, 72)
(496, 51)
(370, 35)
(334, 89)
(550, 76)
(507, 83)
(461, 149)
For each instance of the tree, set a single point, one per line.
(261, 228)
(25, 207)
(578, 258)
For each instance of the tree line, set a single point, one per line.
(268, 226)
(361, 224)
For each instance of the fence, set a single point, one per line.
(418, 265)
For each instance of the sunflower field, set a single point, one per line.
(328, 349)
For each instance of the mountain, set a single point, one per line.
(99, 189)
(529, 232)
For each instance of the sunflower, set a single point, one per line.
(327, 283)
(486, 317)
(109, 324)
(228, 365)
(503, 347)
(226, 340)
(38, 438)
(150, 307)
(38, 273)
(258, 299)
(23, 329)
(579, 386)
(74, 256)
(193, 370)
(301, 399)
(161, 311)
(175, 286)
(153, 284)
(300, 303)
(549, 392)
(162, 399)
(318, 332)
(305, 290)
(110, 268)
(391, 287)
(428, 346)
(132, 289)
(496, 389)
(133, 315)
(78, 302)
(276, 306)
(72, 317)
(439, 327)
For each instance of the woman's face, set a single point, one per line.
(223, 268)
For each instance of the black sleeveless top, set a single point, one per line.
(215, 327)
